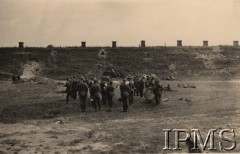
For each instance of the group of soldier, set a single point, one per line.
(102, 93)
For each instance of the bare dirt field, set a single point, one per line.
(35, 118)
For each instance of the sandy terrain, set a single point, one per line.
(35, 118)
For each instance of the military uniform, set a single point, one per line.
(141, 87)
(68, 90)
(124, 88)
(90, 83)
(74, 89)
(157, 91)
(137, 85)
(96, 91)
(103, 92)
(14, 78)
(131, 93)
(151, 82)
(110, 94)
(82, 93)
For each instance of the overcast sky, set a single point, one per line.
(99, 22)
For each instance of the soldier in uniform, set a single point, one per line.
(110, 94)
(82, 93)
(131, 92)
(90, 83)
(151, 82)
(137, 86)
(96, 91)
(68, 89)
(147, 81)
(141, 86)
(124, 88)
(103, 92)
(157, 91)
(14, 77)
(74, 87)
(18, 77)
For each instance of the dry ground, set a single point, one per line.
(29, 112)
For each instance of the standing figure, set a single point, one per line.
(147, 82)
(74, 87)
(137, 86)
(18, 77)
(96, 91)
(151, 82)
(131, 92)
(90, 83)
(141, 86)
(124, 88)
(157, 91)
(110, 94)
(82, 93)
(103, 86)
(68, 89)
(14, 78)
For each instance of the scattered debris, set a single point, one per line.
(90, 134)
(170, 78)
(119, 144)
(186, 86)
(59, 122)
(181, 99)
(165, 99)
(168, 88)
(188, 100)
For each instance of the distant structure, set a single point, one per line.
(235, 43)
(179, 43)
(83, 44)
(143, 43)
(20, 44)
(50, 46)
(114, 44)
(205, 43)
(102, 54)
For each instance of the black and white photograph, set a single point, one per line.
(119, 76)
